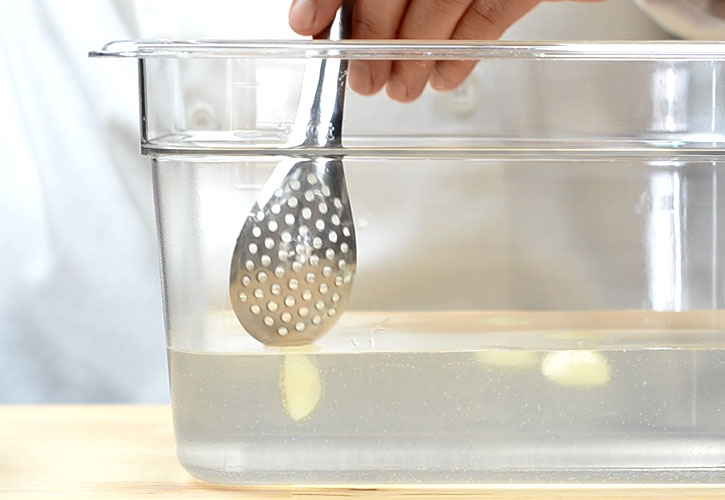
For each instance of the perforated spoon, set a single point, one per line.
(295, 257)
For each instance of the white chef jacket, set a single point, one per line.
(80, 304)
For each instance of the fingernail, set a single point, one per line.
(302, 16)
(437, 81)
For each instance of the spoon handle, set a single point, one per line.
(318, 121)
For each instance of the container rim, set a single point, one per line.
(670, 50)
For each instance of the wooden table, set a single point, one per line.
(127, 452)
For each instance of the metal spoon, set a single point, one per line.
(295, 257)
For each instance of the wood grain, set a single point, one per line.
(127, 452)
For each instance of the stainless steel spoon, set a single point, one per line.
(295, 257)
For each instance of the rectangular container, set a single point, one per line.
(539, 289)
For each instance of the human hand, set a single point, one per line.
(412, 19)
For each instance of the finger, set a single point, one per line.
(484, 20)
(374, 19)
(424, 20)
(309, 17)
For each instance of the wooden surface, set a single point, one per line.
(127, 452)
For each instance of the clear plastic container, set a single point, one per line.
(539, 292)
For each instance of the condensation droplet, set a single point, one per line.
(311, 178)
(306, 295)
(331, 313)
(295, 184)
(335, 219)
(319, 305)
(310, 277)
(282, 255)
(266, 260)
(317, 242)
(344, 247)
(282, 331)
(272, 225)
(260, 216)
(261, 276)
(323, 288)
(286, 236)
(293, 284)
(268, 243)
(320, 224)
(304, 311)
(279, 271)
(322, 207)
(292, 203)
(330, 254)
(316, 319)
(336, 297)
(332, 236)
(252, 248)
(337, 203)
(346, 231)
(309, 195)
(242, 296)
(256, 232)
(276, 289)
(258, 293)
(268, 320)
(249, 265)
(272, 306)
(300, 326)
(326, 271)
(306, 213)
(289, 301)
(286, 317)
(341, 264)
(314, 260)
(246, 280)
(325, 190)
(303, 230)
(255, 309)
(338, 281)
(289, 219)
(296, 266)
(275, 208)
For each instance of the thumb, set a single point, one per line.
(309, 17)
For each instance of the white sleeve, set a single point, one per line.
(690, 19)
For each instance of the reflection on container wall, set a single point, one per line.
(664, 225)
(669, 93)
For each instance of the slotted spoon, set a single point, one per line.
(295, 257)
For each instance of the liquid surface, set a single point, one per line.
(602, 411)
